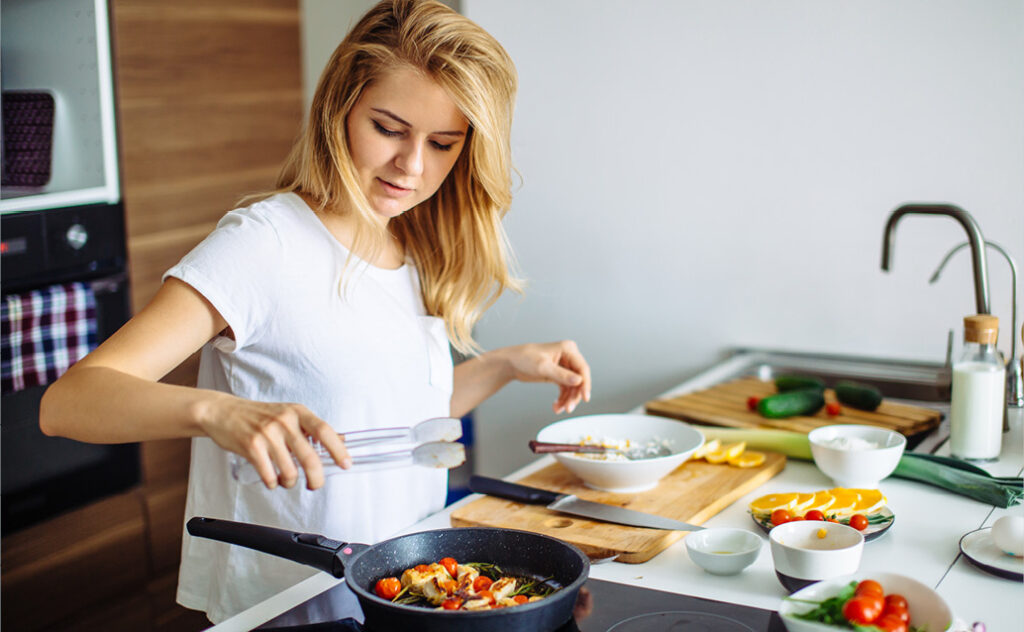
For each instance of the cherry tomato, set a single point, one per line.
(450, 565)
(859, 522)
(452, 603)
(752, 403)
(780, 516)
(814, 514)
(890, 623)
(896, 601)
(482, 583)
(449, 586)
(520, 599)
(486, 594)
(869, 587)
(388, 588)
(421, 568)
(833, 409)
(863, 609)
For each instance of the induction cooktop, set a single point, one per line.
(614, 608)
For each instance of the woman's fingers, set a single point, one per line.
(328, 437)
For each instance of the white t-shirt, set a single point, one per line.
(359, 353)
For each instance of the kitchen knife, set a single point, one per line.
(570, 504)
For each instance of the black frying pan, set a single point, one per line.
(516, 552)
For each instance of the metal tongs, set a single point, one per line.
(430, 443)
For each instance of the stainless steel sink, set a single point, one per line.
(896, 379)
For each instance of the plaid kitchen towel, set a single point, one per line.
(45, 332)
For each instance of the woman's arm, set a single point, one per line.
(561, 363)
(113, 396)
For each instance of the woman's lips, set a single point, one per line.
(394, 191)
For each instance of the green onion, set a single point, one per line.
(792, 444)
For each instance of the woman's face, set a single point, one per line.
(404, 135)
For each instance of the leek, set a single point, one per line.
(950, 474)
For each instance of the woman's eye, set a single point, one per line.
(383, 130)
(442, 147)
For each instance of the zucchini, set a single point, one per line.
(792, 382)
(857, 395)
(802, 401)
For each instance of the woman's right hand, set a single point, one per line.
(271, 435)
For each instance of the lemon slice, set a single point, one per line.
(846, 501)
(819, 500)
(771, 502)
(748, 458)
(803, 503)
(871, 500)
(709, 446)
(718, 456)
(733, 450)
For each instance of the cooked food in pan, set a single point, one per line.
(449, 585)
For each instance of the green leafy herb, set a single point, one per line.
(830, 610)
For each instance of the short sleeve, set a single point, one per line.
(238, 269)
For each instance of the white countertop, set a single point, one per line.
(923, 543)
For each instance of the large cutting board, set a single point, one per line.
(725, 404)
(693, 492)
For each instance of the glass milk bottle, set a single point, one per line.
(979, 393)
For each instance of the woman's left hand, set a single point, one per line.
(560, 363)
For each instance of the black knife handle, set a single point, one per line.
(511, 491)
(310, 549)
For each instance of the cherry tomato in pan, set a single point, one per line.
(859, 522)
(488, 595)
(421, 568)
(482, 583)
(780, 516)
(863, 609)
(450, 565)
(814, 514)
(388, 588)
(520, 599)
(452, 603)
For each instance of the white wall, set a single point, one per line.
(705, 174)
(699, 175)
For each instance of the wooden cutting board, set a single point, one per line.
(693, 492)
(725, 404)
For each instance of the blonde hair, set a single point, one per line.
(454, 238)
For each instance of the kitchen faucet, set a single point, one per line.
(1014, 377)
(974, 239)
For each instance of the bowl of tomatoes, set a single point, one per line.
(887, 601)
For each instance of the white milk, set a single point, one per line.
(976, 410)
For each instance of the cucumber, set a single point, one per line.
(801, 401)
(792, 382)
(857, 395)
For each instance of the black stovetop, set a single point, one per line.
(615, 608)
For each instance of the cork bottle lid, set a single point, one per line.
(981, 328)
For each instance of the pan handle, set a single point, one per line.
(310, 549)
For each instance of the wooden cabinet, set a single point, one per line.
(209, 102)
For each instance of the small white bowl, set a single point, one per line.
(853, 466)
(623, 476)
(927, 609)
(723, 551)
(802, 556)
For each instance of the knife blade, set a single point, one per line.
(571, 504)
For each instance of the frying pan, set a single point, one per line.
(516, 552)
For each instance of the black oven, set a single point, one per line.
(85, 245)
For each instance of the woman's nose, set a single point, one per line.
(410, 157)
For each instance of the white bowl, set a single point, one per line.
(927, 609)
(853, 466)
(723, 551)
(801, 556)
(623, 476)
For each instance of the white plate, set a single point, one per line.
(872, 531)
(980, 550)
(926, 607)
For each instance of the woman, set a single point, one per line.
(329, 305)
